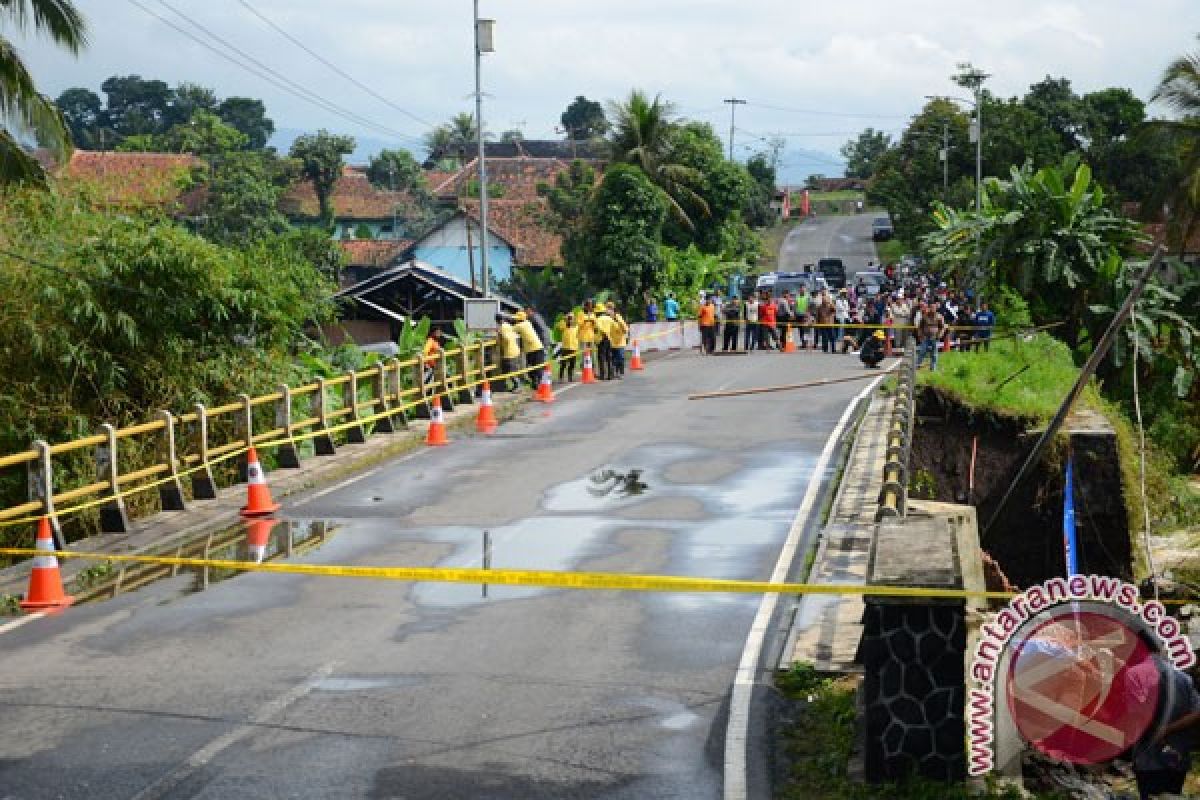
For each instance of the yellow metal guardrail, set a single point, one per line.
(893, 496)
(189, 445)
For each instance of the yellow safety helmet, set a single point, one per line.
(519, 316)
(878, 334)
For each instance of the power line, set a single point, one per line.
(298, 87)
(308, 97)
(333, 66)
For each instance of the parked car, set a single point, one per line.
(834, 272)
(881, 229)
(779, 282)
(870, 282)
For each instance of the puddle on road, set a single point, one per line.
(255, 541)
(607, 487)
(545, 543)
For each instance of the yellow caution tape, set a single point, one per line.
(546, 579)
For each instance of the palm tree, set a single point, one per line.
(641, 135)
(28, 114)
(1179, 90)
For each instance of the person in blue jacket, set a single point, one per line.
(984, 320)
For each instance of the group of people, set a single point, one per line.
(848, 319)
(525, 341)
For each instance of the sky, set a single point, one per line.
(813, 72)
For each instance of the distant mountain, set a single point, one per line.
(365, 146)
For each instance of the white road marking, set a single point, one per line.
(205, 754)
(16, 623)
(737, 732)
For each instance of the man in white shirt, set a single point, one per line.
(751, 337)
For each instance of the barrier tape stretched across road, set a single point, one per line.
(547, 579)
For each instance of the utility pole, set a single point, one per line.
(945, 154)
(483, 44)
(733, 104)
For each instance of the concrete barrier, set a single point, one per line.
(653, 336)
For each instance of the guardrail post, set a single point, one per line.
(397, 385)
(382, 405)
(323, 442)
(247, 426)
(465, 394)
(203, 485)
(443, 380)
(170, 494)
(113, 516)
(423, 407)
(354, 433)
(40, 475)
(286, 454)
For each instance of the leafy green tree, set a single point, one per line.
(320, 157)
(863, 153)
(204, 134)
(242, 204)
(721, 190)
(1055, 101)
(1048, 232)
(622, 234)
(438, 143)
(186, 100)
(28, 113)
(83, 112)
(248, 116)
(584, 119)
(568, 200)
(1179, 90)
(512, 135)
(757, 209)
(396, 169)
(641, 135)
(135, 105)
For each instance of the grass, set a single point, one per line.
(772, 239)
(819, 742)
(828, 197)
(1016, 378)
(890, 251)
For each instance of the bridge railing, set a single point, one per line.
(893, 497)
(199, 447)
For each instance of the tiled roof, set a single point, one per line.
(354, 197)
(137, 179)
(523, 224)
(517, 177)
(373, 252)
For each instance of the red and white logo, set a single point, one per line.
(1082, 686)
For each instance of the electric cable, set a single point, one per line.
(333, 66)
(307, 97)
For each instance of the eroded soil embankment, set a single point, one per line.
(1027, 539)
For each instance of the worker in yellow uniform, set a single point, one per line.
(510, 351)
(618, 336)
(585, 320)
(568, 339)
(531, 346)
(604, 353)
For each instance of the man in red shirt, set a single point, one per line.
(766, 321)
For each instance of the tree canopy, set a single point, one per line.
(584, 119)
(320, 156)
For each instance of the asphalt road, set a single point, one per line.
(305, 687)
(845, 237)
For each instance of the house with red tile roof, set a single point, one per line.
(356, 203)
(138, 180)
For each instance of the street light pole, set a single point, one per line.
(483, 44)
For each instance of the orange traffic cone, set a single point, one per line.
(545, 390)
(789, 344)
(258, 496)
(589, 374)
(45, 581)
(258, 534)
(485, 421)
(635, 363)
(436, 437)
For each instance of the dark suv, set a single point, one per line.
(881, 229)
(834, 271)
